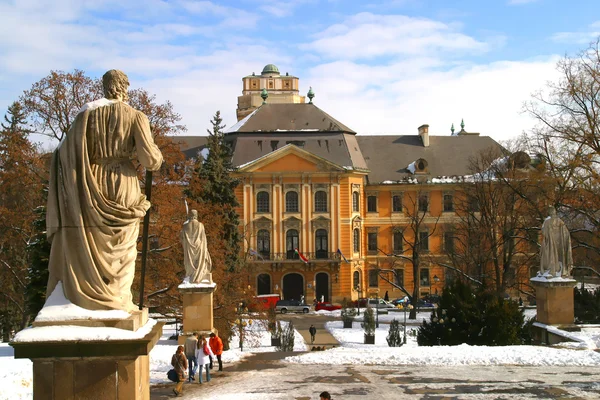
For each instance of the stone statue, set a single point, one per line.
(196, 258)
(556, 257)
(95, 202)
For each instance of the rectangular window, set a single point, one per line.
(397, 203)
(399, 279)
(423, 203)
(371, 203)
(424, 277)
(373, 278)
(449, 242)
(372, 242)
(356, 240)
(355, 201)
(398, 239)
(448, 203)
(424, 241)
(474, 204)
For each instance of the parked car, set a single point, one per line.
(263, 302)
(377, 303)
(421, 303)
(327, 307)
(285, 306)
(401, 300)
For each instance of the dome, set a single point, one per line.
(270, 69)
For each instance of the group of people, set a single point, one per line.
(196, 351)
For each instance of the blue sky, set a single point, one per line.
(380, 67)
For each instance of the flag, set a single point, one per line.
(302, 257)
(341, 255)
(255, 253)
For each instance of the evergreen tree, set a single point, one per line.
(38, 252)
(394, 337)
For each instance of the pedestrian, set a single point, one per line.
(315, 302)
(313, 331)
(216, 345)
(190, 352)
(387, 296)
(180, 364)
(325, 396)
(203, 353)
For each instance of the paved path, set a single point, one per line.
(302, 322)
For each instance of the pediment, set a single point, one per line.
(291, 158)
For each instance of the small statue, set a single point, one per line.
(196, 258)
(556, 257)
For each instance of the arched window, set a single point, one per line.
(320, 201)
(263, 242)
(356, 280)
(321, 244)
(355, 202)
(262, 202)
(291, 201)
(356, 240)
(291, 243)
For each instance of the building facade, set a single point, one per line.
(327, 211)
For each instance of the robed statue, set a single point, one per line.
(196, 258)
(556, 255)
(95, 202)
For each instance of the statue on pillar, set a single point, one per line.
(556, 257)
(196, 258)
(95, 202)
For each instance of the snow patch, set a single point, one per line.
(98, 103)
(412, 167)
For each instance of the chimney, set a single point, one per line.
(424, 133)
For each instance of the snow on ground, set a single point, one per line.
(353, 351)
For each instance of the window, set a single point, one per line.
(373, 278)
(399, 280)
(398, 239)
(355, 202)
(423, 203)
(372, 242)
(262, 202)
(263, 284)
(356, 240)
(424, 277)
(321, 201)
(448, 203)
(372, 203)
(291, 201)
(424, 241)
(397, 203)
(291, 243)
(474, 204)
(263, 243)
(321, 244)
(356, 280)
(449, 242)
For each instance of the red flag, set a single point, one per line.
(302, 257)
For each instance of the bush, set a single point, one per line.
(273, 326)
(348, 312)
(287, 337)
(393, 338)
(369, 321)
(473, 317)
(587, 306)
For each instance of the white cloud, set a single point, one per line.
(584, 36)
(367, 35)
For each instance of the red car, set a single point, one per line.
(327, 307)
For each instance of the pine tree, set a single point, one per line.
(38, 252)
(394, 337)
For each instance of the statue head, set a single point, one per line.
(194, 214)
(552, 212)
(115, 84)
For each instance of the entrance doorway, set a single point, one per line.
(263, 285)
(293, 286)
(322, 286)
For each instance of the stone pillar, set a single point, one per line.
(98, 369)
(554, 300)
(197, 309)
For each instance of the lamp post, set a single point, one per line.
(241, 324)
(377, 310)
(405, 306)
(359, 290)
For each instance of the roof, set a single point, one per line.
(338, 148)
(289, 117)
(388, 157)
(191, 145)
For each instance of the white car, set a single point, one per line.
(380, 303)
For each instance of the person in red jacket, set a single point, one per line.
(216, 344)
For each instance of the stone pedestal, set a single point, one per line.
(90, 369)
(554, 299)
(197, 309)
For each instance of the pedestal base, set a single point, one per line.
(554, 300)
(197, 311)
(91, 370)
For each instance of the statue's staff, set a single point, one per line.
(148, 191)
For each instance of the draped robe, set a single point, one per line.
(95, 204)
(196, 258)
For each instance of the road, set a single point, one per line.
(267, 376)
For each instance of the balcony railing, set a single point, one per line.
(292, 256)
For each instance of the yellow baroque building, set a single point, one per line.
(324, 209)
